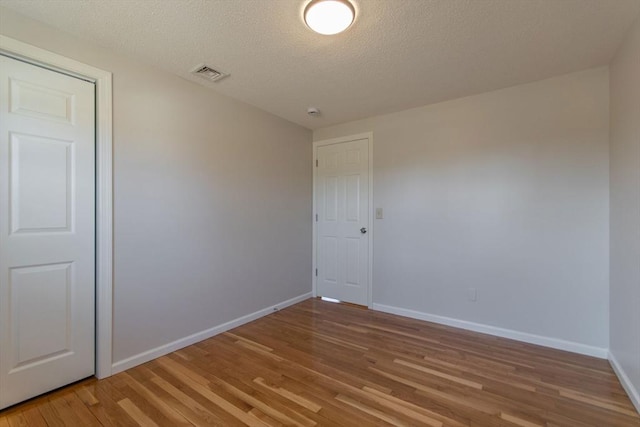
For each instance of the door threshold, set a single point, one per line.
(337, 301)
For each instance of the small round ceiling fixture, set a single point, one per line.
(313, 111)
(329, 16)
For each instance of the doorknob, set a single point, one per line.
(363, 230)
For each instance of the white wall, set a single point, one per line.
(212, 206)
(625, 212)
(506, 192)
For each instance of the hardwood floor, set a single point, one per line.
(320, 363)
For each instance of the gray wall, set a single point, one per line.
(506, 192)
(625, 208)
(212, 205)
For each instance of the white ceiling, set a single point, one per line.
(398, 54)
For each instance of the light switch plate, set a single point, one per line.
(379, 213)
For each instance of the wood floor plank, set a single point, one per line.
(323, 364)
(424, 416)
(437, 373)
(250, 395)
(80, 410)
(372, 411)
(519, 421)
(200, 386)
(173, 416)
(16, 420)
(596, 402)
(289, 395)
(52, 417)
(135, 413)
(194, 411)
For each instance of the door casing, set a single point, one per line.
(369, 137)
(104, 187)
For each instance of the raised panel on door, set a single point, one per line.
(39, 205)
(47, 230)
(352, 198)
(331, 198)
(46, 290)
(341, 230)
(331, 259)
(40, 102)
(352, 262)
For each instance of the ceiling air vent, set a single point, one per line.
(208, 73)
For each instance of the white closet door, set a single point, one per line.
(47, 230)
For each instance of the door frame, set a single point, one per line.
(369, 137)
(104, 182)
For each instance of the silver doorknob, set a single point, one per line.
(363, 230)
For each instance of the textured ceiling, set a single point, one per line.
(398, 54)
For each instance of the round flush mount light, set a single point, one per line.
(329, 16)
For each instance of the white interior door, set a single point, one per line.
(342, 236)
(47, 222)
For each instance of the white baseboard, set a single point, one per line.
(154, 353)
(556, 343)
(632, 392)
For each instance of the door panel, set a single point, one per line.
(342, 203)
(38, 205)
(331, 259)
(40, 102)
(353, 258)
(30, 341)
(353, 198)
(47, 229)
(331, 198)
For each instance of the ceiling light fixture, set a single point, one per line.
(329, 16)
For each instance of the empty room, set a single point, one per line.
(320, 213)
